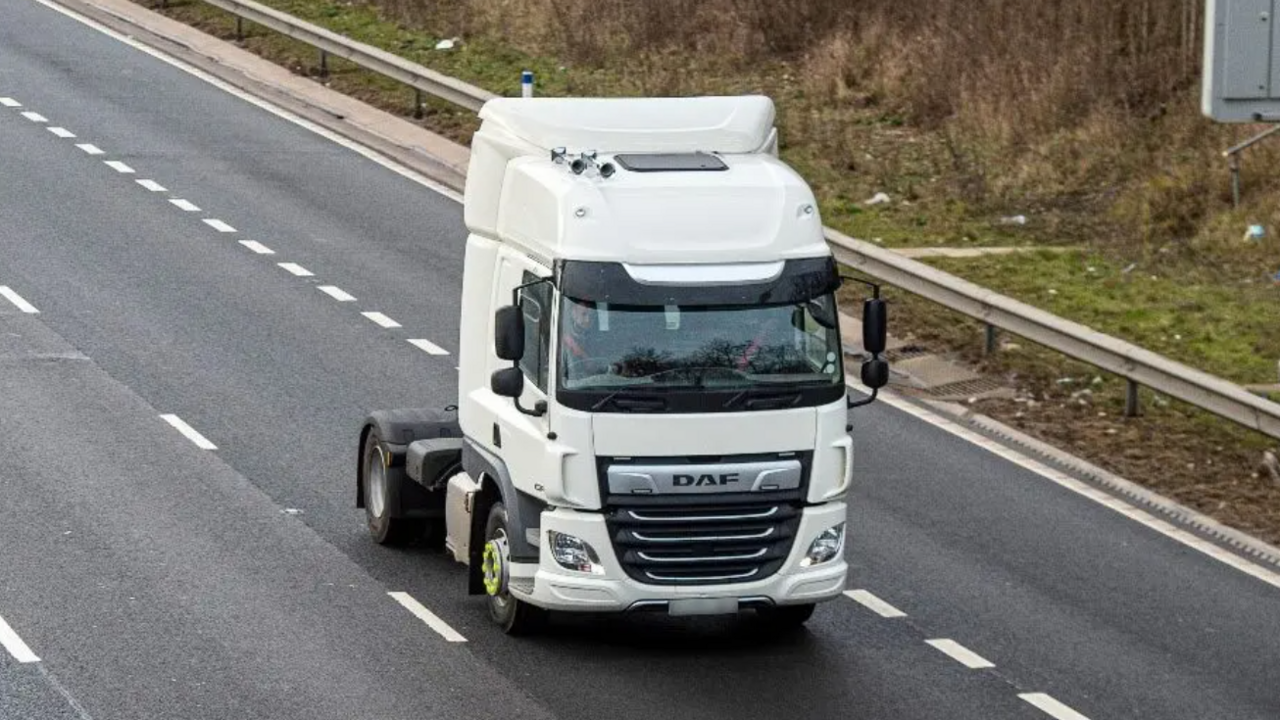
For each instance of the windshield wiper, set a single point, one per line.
(631, 402)
(764, 399)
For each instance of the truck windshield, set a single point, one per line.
(732, 347)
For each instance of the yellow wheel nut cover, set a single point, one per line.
(492, 567)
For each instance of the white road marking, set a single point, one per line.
(119, 167)
(17, 300)
(184, 205)
(429, 347)
(11, 642)
(9, 102)
(381, 319)
(61, 132)
(426, 616)
(337, 293)
(189, 432)
(258, 102)
(35, 117)
(151, 185)
(296, 269)
(1081, 488)
(92, 149)
(218, 225)
(961, 654)
(1052, 707)
(874, 604)
(66, 695)
(257, 247)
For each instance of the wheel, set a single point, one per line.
(385, 529)
(514, 616)
(785, 617)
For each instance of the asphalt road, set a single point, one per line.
(155, 578)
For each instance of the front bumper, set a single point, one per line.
(557, 588)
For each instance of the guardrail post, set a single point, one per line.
(1131, 407)
(1235, 179)
(324, 64)
(417, 104)
(239, 29)
(989, 347)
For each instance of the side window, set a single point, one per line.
(535, 303)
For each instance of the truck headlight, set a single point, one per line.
(574, 553)
(825, 547)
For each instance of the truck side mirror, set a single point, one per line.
(508, 333)
(875, 373)
(875, 326)
(507, 382)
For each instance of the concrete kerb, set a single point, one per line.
(445, 162)
(432, 155)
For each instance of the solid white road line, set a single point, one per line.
(337, 293)
(11, 642)
(9, 102)
(189, 432)
(428, 347)
(184, 205)
(426, 616)
(17, 300)
(119, 166)
(296, 269)
(381, 319)
(61, 132)
(1052, 707)
(257, 247)
(961, 654)
(874, 604)
(151, 185)
(218, 225)
(1081, 488)
(35, 117)
(91, 149)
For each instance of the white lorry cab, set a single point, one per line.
(652, 410)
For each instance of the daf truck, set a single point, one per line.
(652, 409)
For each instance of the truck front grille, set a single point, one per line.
(706, 544)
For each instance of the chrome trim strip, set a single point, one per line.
(705, 518)
(703, 579)
(717, 558)
(705, 538)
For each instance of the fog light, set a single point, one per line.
(573, 553)
(825, 547)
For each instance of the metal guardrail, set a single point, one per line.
(1138, 366)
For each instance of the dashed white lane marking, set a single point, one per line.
(184, 205)
(35, 117)
(189, 432)
(9, 102)
(13, 297)
(1052, 707)
(296, 269)
(429, 347)
(218, 225)
(426, 616)
(961, 654)
(91, 148)
(874, 604)
(381, 319)
(337, 293)
(151, 185)
(1081, 488)
(61, 132)
(11, 642)
(119, 166)
(257, 247)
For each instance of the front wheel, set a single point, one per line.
(514, 616)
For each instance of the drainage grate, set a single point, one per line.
(966, 389)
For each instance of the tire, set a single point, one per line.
(787, 617)
(378, 479)
(514, 616)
